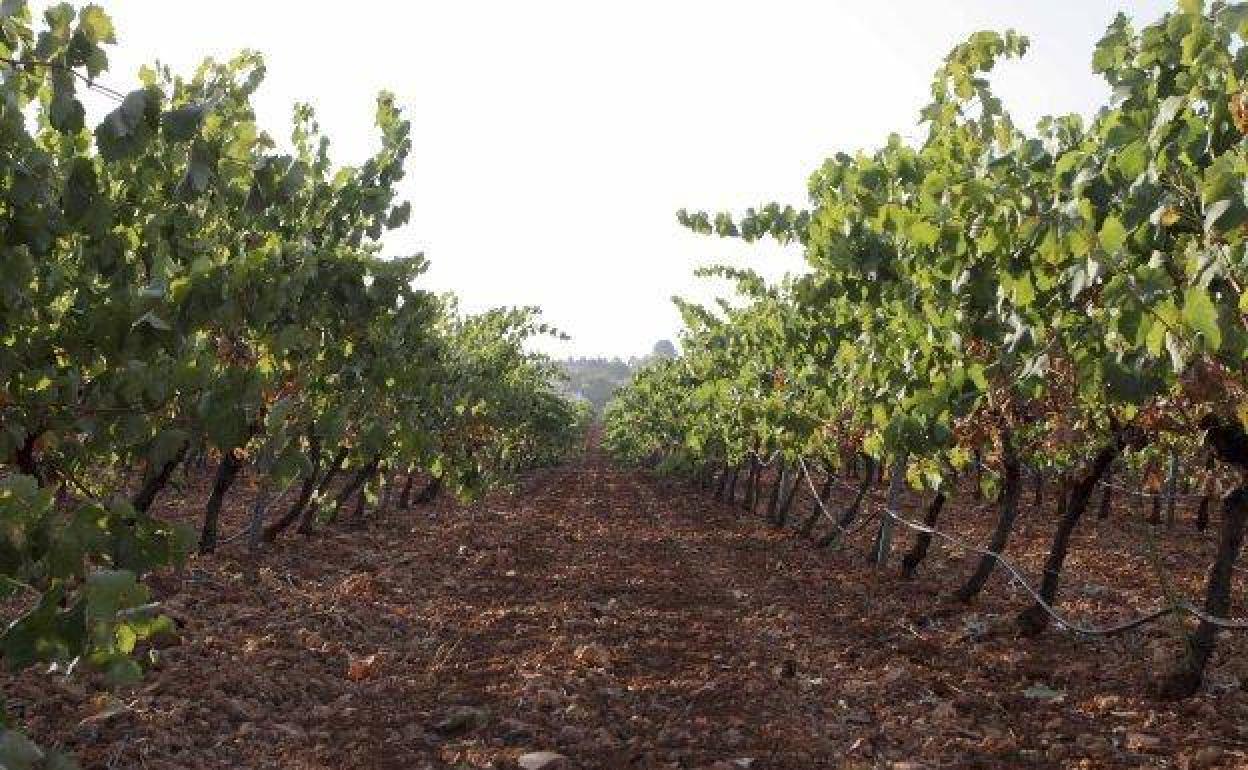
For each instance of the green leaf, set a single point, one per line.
(924, 233)
(1225, 215)
(66, 113)
(1166, 113)
(1024, 291)
(1201, 315)
(123, 672)
(1113, 235)
(126, 118)
(1132, 160)
(96, 24)
(976, 373)
(107, 592)
(123, 132)
(198, 176)
(165, 447)
(182, 124)
(80, 189)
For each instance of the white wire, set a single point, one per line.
(1183, 605)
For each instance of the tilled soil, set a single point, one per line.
(626, 621)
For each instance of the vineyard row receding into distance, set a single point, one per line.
(184, 297)
(989, 301)
(175, 291)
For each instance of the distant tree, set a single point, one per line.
(663, 349)
(597, 379)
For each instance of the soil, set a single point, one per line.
(622, 620)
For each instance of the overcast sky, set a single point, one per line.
(554, 141)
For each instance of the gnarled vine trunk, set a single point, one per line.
(430, 491)
(1005, 519)
(305, 493)
(405, 498)
(1035, 619)
(1188, 675)
(732, 485)
(354, 485)
(309, 511)
(227, 472)
(774, 503)
(751, 482)
(851, 512)
(923, 540)
(817, 506)
(787, 505)
(146, 495)
(1229, 441)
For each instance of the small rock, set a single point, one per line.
(570, 736)
(310, 640)
(461, 720)
(602, 608)
(603, 740)
(238, 710)
(1043, 692)
(859, 717)
(1142, 742)
(293, 731)
(1091, 743)
(671, 737)
(1097, 591)
(732, 738)
(515, 731)
(1205, 758)
(593, 654)
(542, 760)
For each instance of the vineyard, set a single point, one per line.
(181, 298)
(969, 491)
(989, 309)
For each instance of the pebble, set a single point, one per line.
(542, 760)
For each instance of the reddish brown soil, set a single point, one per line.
(630, 622)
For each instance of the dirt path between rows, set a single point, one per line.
(621, 621)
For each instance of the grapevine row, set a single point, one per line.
(1067, 300)
(177, 287)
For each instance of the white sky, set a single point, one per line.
(554, 140)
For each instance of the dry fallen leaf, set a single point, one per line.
(359, 669)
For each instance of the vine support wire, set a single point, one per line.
(1128, 490)
(871, 514)
(1148, 495)
(1183, 605)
